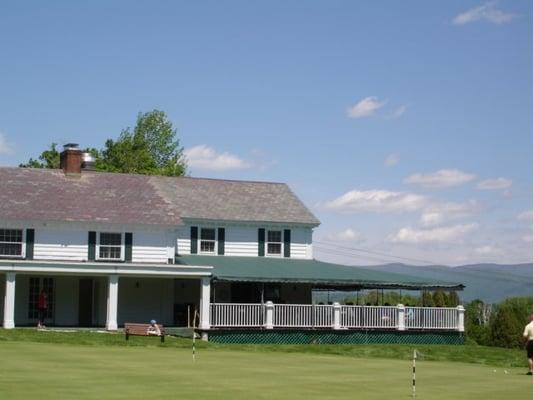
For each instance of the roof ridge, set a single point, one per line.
(150, 176)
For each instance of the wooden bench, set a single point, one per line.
(133, 329)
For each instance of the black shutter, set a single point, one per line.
(287, 243)
(261, 242)
(194, 240)
(128, 243)
(30, 240)
(92, 246)
(221, 240)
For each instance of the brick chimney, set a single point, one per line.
(70, 159)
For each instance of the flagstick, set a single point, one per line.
(414, 374)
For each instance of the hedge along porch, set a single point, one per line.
(97, 294)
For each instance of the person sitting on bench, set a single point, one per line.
(153, 329)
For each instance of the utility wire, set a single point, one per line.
(358, 249)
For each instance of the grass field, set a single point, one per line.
(100, 366)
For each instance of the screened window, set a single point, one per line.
(274, 242)
(110, 246)
(10, 242)
(207, 240)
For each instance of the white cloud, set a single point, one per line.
(392, 160)
(488, 250)
(438, 213)
(348, 235)
(365, 108)
(205, 157)
(526, 216)
(399, 111)
(377, 201)
(495, 184)
(441, 179)
(5, 147)
(448, 234)
(486, 12)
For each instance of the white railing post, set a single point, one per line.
(401, 317)
(336, 316)
(269, 315)
(460, 318)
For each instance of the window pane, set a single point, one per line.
(110, 239)
(109, 252)
(10, 249)
(274, 248)
(208, 234)
(207, 247)
(274, 236)
(11, 235)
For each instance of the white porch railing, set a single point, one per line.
(335, 316)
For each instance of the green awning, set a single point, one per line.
(317, 273)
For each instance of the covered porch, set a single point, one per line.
(251, 295)
(102, 295)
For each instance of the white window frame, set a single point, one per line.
(23, 244)
(122, 247)
(267, 242)
(215, 249)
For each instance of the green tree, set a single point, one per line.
(508, 323)
(439, 298)
(152, 148)
(426, 300)
(48, 159)
(453, 299)
(477, 319)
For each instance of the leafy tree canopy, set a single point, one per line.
(151, 148)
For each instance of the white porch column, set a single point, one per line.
(205, 300)
(112, 303)
(460, 318)
(336, 316)
(9, 301)
(401, 317)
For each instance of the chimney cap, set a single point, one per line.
(71, 146)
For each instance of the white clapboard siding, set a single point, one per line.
(184, 240)
(60, 244)
(241, 241)
(149, 247)
(301, 239)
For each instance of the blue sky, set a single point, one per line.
(405, 126)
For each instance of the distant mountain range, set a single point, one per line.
(489, 282)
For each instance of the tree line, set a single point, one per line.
(150, 148)
(498, 325)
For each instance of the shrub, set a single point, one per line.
(508, 323)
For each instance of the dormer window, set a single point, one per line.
(207, 240)
(274, 243)
(11, 241)
(110, 246)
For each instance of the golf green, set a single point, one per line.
(62, 371)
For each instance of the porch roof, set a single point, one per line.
(319, 274)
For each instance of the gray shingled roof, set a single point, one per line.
(49, 195)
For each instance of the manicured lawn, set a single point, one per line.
(36, 365)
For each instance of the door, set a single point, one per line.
(85, 304)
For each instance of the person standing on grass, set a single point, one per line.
(528, 339)
(42, 307)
